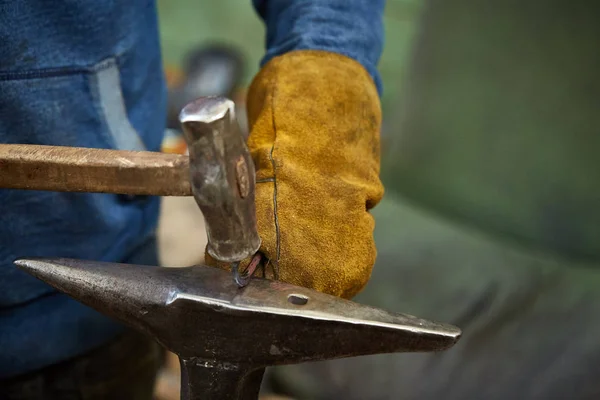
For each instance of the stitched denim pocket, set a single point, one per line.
(66, 106)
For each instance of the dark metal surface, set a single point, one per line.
(222, 177)
(73, 169)
(225, 336)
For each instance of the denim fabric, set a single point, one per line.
(89, 74)
(353, 28)
(72, 73)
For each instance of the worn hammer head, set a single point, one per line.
(222, 177)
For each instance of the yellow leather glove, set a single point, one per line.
(315, 119)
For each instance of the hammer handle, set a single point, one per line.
(74, 169)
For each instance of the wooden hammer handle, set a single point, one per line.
(74, 169)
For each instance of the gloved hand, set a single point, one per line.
(315, 119)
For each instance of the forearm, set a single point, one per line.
(353, 28)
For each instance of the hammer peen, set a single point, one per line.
(225, 335)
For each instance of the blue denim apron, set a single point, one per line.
(72, 73)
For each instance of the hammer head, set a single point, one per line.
(222, 177)
(200, 312)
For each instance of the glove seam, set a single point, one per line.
(273, 91)
(274, 166)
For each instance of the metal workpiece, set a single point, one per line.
(75, 169)
(222, 177)
(225, 336)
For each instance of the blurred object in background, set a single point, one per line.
(181, 232)
(208, 70)
(173, 142)
(168, 383)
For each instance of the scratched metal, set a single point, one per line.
(225, 336)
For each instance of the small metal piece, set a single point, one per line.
(226, 336)
(222, 177)
(75, 169)
(243, 279)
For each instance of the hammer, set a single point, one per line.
(225, 331)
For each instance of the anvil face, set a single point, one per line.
(200, 312)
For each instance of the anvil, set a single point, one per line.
(225, 335)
